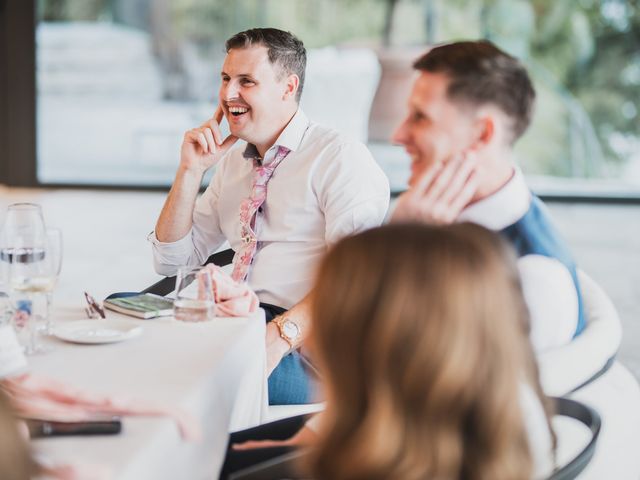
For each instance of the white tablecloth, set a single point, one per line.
(213, 370)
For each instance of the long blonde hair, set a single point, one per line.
(421, 333)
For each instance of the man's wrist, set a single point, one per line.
(191, 173)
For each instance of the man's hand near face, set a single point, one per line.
(201, 148)
(440, 193)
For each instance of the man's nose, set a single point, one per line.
(399, 136)
(229, 91)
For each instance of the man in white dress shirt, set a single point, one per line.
(469, 105)
(279, 200)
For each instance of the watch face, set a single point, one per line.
(290, 330)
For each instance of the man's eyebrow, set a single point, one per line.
(241, 75)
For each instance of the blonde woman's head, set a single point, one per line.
(421, 333)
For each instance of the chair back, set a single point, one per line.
(168, 284)
(568, 368)
(591, 419)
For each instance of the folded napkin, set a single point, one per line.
(233, 299)
(35, 396)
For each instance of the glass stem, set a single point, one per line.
(47, 314)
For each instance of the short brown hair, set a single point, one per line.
(480, 73)
(283, 48)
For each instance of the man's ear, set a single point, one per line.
(487, 129)
(484, 132)
(292, 84)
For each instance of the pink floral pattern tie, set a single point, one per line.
(249, 209)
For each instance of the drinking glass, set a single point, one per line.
(23, 227)
(194, 295)
(22, 254)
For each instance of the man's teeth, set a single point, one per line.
(238, 110)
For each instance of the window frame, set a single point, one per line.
(17, 93)
(18, 122)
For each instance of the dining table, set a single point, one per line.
(212, 370)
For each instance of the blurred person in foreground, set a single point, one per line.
(421, 334)
(280, 197)
(468, 107)
(16, 461)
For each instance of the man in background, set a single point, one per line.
(468, 107)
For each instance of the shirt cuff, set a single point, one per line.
(179, 245)
(169, 255)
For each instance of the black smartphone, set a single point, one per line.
(45, 428)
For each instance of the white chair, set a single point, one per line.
(586, 370)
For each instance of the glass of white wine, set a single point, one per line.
(51, 271)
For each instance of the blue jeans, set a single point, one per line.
(292, 381)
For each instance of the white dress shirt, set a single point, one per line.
(547, 284)
(327, 187)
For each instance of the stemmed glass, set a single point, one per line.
(22, 252)
(51, 271)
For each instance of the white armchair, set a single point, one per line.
(565, 369)
(586, 370)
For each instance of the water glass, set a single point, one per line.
(194, 300)
(23, 248)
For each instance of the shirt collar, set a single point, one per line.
(503, 208)
(290, 138)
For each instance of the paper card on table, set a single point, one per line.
(12, 359)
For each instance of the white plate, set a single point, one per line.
(96, 331)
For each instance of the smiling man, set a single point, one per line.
(280, 198)
(468, 107)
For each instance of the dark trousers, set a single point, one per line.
(279, 430)
(293, 380)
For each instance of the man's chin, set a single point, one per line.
(240, 132)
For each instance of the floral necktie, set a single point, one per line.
(249, 209)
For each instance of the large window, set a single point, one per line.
(118, 82)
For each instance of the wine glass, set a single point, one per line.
(23, 228)
(51, 271)
(22, 253)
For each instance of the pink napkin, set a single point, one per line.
(233, 299)
(35, 396)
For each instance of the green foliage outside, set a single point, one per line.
(584, 55)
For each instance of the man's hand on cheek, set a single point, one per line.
(277, 347)
(440, 194)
